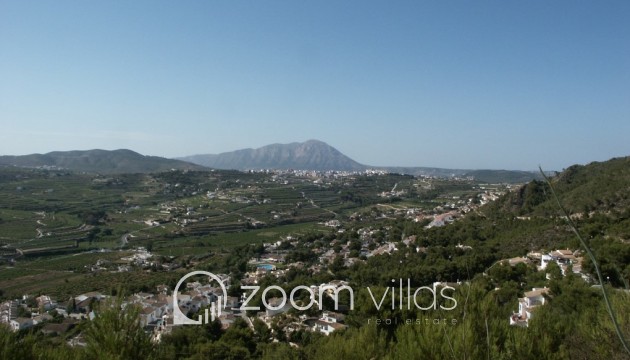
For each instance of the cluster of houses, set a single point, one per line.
(567, 260)
(280, 175)
(453, 208)
(369, 246)
(24, 313)
(443, 219)
(139, 258)
(392, 193)
(156, 310)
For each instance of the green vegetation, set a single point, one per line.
(219, 220)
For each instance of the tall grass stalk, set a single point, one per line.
(588, 250)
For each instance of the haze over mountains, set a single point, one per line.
(309, 155)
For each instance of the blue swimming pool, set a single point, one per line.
(267, 267)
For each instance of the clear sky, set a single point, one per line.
(457, 84)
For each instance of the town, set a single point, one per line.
(194, 211)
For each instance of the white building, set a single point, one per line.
(329, 322)
(46, 303)
(526, 306)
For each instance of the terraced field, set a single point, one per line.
(52, 221)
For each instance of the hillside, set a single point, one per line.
(527, 218)
(598, 186)
(99, 161)
(309, 155)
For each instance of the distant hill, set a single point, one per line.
(99, 161)
(502, 176)
(487, 176)
(309, 155)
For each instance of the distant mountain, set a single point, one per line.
(99, 161)
(309, 155)
(317, 155)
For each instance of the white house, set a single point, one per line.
(150, 314)
(45, 302)
(561, 257)
(527, 304)
(329, 322)
(327, 328)
(332, 317)
(544, 261)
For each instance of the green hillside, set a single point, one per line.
(583, 189)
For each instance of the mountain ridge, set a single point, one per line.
(292, 156)
(99, 161)
(308, 155)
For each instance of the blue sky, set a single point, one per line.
(458, 84)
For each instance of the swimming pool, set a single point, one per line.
(267, 267)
